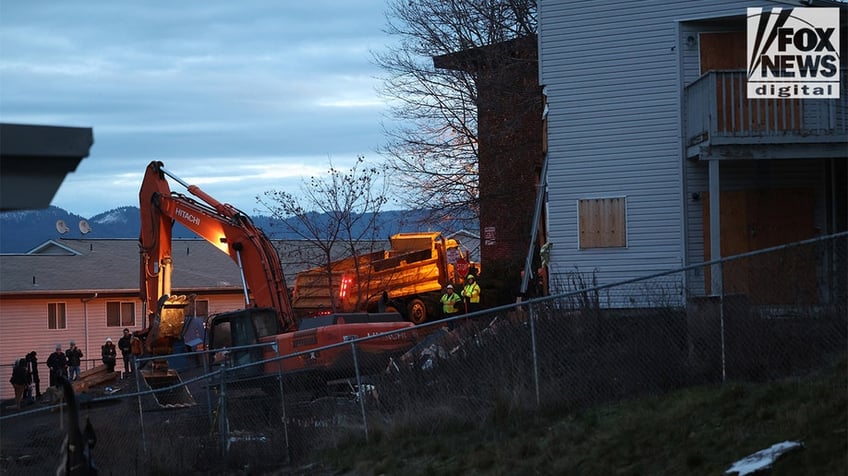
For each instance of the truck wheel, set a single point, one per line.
(416, 311)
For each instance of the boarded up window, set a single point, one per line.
(723, 50)
(603, 222)
(120, 314)
(56, 315)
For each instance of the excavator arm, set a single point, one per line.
(222, 225)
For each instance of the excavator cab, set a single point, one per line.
(241, 328)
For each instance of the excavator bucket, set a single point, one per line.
(176, 397)
(168, 324)
(167, 329)
(172, 316)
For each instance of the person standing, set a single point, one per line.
(125, 346)
(137, 350)
(57, 362)
(19, 381)
(32, 368)
(74, 355)
(109, 354)
(449, 300)
(471, 293)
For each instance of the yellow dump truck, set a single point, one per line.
(409, 278)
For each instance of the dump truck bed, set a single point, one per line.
(413, 272)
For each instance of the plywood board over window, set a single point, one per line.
(603, 222)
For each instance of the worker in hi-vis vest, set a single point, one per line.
(471, 294)
(449, 301)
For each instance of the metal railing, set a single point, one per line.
(716, 109)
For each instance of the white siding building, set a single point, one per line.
(632, 161)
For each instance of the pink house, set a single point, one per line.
(86, 290)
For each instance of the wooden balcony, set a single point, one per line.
(720, 122)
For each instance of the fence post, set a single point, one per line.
(208, 372)
(359, 388)
(721, 320)
(137, 375)
(532, 309)
(285, 422)
(223, 421)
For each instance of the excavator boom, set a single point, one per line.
(222, 225)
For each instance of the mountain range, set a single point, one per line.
(21, 231)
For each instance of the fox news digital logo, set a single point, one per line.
(793, 53)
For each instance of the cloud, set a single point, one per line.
(234, 180)
(239, 96)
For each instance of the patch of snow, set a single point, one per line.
(15, 215)
(114, 216)
(762, 459)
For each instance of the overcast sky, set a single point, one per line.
(236, 97)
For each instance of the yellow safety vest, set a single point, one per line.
(449, 301)
(472, 292)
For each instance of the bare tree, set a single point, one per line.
(434, 147)
(338, 210)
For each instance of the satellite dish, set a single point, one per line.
(61, 227)
(84, 227)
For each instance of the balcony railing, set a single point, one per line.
(718, 112)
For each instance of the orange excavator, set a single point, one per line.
(267, 317)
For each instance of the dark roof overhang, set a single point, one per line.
(34, 161)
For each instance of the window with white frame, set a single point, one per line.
(602, 222)
(120, 314)
(198, 308)
(56, 316)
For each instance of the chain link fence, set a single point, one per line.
(754, 317)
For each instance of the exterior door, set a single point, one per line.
(756, 219)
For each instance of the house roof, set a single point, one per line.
(82, 266)
(88, 265)
(470, 240)
(496, 55)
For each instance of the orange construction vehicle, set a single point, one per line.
(267, 316)
(410, 276)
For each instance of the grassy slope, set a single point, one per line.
(693, 431)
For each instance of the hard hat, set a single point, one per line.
(470, 276)
(108, 339)
(450, 286)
